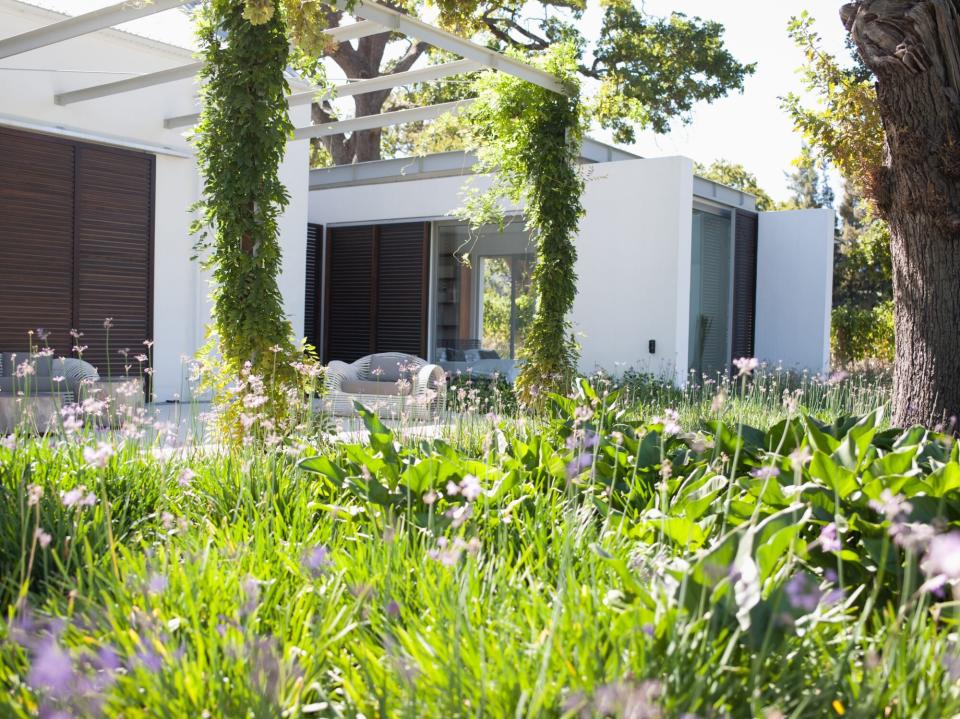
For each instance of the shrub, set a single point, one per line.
(862, 333)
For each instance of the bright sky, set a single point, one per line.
(749, 128)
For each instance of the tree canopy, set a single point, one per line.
(737, 176)
(646, 70)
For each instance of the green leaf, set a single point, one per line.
(839, 479)
(323, 466)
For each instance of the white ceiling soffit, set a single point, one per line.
(83, 24)
(360, 87)
(385, 119)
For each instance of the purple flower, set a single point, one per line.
(156, 583)
(581, 462)
(829, 541)
(52, 669)
(317, 560)
(765, 472)
(802, 594)
(891, 505)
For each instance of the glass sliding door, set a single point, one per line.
(508, 303)
(711, 268)
(484, 291)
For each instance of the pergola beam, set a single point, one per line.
(83, 24)
(356, 31)
(360, 87)
(344, 33)
(182, 72)
(412, 27)
(385, 119)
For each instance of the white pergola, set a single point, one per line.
(372, 19)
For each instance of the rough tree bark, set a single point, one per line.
(913, 48)
(363, 62)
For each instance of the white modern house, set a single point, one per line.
(96, 178)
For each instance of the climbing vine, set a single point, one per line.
(527, 139)
(241, 140)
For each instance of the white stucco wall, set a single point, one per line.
(135, 120)
(795, 288)
(633, 249)
(633, 267)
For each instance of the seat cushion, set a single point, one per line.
(384, 368)
(33, 385)
(382, 388)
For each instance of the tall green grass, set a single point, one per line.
(604, 570)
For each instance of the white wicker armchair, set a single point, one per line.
(391, 384)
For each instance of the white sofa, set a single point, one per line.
(391, 384)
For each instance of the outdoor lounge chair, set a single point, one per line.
(390, 384)
(36, 392)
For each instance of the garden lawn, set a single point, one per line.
(595, 561)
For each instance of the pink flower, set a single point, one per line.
(78, 497)
(746, 365)
(43, 539)
(470, 488)
(99, 457)
(942, 561)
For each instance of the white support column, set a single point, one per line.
(82, 25)
(385, 119)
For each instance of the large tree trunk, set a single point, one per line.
(365, 61)
(913, 47)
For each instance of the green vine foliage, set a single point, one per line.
(527, 139)
(241, 139)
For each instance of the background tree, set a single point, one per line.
(738, 177)
(809, 182)
(913, 50)
(844, 128)
(649, 69)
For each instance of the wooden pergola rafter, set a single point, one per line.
(372, 18)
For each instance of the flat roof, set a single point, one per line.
(459, 163)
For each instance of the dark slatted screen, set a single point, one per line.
(36, 240)
(114, 219)
(376, 278)
(745, 285)
(76, 235)
(313, 285)
(349, 277)
(401, 289)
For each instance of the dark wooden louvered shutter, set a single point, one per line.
(402, 277)
(114, 230)
(36, 240)
(744, 285)
(350, 300)
(313, 285)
